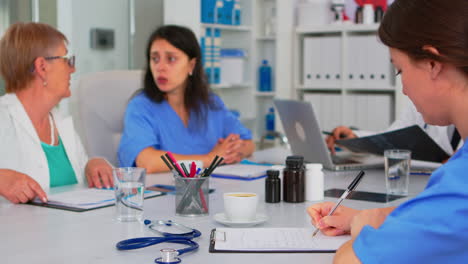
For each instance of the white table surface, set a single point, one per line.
(32, 234)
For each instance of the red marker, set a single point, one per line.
(193, 169)
(177, 166)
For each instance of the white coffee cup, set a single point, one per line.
(240, 206)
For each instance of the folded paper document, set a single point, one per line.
(413, 138)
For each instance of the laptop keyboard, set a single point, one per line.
(342, 160)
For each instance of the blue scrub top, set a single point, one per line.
(430, 228)
(157, 125)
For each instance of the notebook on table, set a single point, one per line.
(246, 172)
(81, 200)
(305, 137)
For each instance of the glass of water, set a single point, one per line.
(129, 185)
(397, 170)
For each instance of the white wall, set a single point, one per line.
(149, 14)
(76, 18)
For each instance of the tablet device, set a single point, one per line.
(364, 196)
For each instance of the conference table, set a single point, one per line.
(34, 234)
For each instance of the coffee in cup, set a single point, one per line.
(240, 206)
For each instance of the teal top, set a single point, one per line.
(60, 169)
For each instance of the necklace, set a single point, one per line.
(52, 130)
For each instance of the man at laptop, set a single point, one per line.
(305, 137)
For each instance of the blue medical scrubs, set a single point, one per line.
(431, 228)
(157, 125)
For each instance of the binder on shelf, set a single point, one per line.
(207, 54)
(273, 240)
(379, 63)
(227, 12)
(207, 11)
(219, 9)
(357, 61)
(327, 107)
(379, 111)
(349, 116)
(331, 60)
(362, 110)
(332, 107)
(312, 68)
(216, 56)
(237, 13)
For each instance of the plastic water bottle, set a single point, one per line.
(265, 77)
(270, 122)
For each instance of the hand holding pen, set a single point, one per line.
(333, 219)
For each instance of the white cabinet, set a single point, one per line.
(249, 36)
(346, 73)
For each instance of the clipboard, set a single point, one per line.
(78, 208)
(220, 235)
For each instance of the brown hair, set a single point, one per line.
(20, 46)
(197, 94)
(409, 25)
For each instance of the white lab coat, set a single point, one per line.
(20, 147)
(410, 117)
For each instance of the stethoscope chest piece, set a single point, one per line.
(168, 256)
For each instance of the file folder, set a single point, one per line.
(413, 138)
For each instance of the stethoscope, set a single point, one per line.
(171, 232)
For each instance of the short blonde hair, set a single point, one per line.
(21, 44)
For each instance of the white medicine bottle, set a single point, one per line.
(314, 182)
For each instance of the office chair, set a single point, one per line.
(101, 101)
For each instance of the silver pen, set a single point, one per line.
(350, 188)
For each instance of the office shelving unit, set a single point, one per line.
(361, 91)
(243, 97)
(265, 41)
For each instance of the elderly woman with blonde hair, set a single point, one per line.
(40, 149)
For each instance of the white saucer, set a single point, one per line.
(221, 218)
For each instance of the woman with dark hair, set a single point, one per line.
(428, 41)
(176, 111)
(39, 148)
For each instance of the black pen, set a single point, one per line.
(350, 188)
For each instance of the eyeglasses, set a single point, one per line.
(70, 59)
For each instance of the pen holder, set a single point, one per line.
(192, 196)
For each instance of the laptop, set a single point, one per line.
(305, 137)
